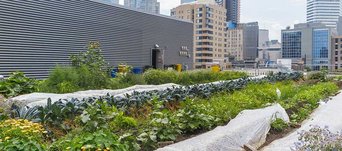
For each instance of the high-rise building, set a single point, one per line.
(242, 41)
(336, 58)
(250, 38)
(308, 43)
(209, 31)
(263, 37)
(233, 10)
(232, 7)
(324, 11)
(235, 43)
(151, 6)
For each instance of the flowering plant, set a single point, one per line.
(318, 138)
(19, 134)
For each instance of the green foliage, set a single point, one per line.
(321, 76)
(153, 76)
(16, 84)
(92, 58)
(156, 77)
(21, 135)
(71, 79)
(97, 140)
(193, 116)
(279, 125)
(88, 71)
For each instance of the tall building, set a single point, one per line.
(336, 58)
(233, 10)
(309, 44)
(209, 31)
(250, 38)
(242, 41)
(324, 11)
(151, 6)
(232, 7)
(235, 43)
(263, 37)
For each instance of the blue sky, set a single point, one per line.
(271, 14)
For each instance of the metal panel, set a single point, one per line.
(37, 35)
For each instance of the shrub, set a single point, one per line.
(61, 80)
(156, 77)
(17, 83)
(21, 135)
(321, 76)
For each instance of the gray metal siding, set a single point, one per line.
(37, 35)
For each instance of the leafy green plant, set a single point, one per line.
(278, 125)
(101, 139)
(88, 71)
(17, 83)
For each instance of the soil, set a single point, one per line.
(273, 135)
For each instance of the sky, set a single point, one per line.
(273, 15)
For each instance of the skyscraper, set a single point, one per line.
(151, 6)
(209, 31)
(233, 10)
(324, 11)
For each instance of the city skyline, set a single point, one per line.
(273, 15)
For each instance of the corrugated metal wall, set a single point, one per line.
(37, 35)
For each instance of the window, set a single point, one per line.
(336, 52)
(336, 46)
(336, 40)
(199, 9)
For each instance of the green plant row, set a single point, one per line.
(103, 126)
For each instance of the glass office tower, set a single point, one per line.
(291, 44)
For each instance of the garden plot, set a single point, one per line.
(328, 114)
(38, 99)
(248, 130)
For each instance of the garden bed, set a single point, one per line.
(144, 120)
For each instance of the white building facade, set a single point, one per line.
(324, 11)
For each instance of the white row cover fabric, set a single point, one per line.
(249, 128)
(327, 114)
(35, 99)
